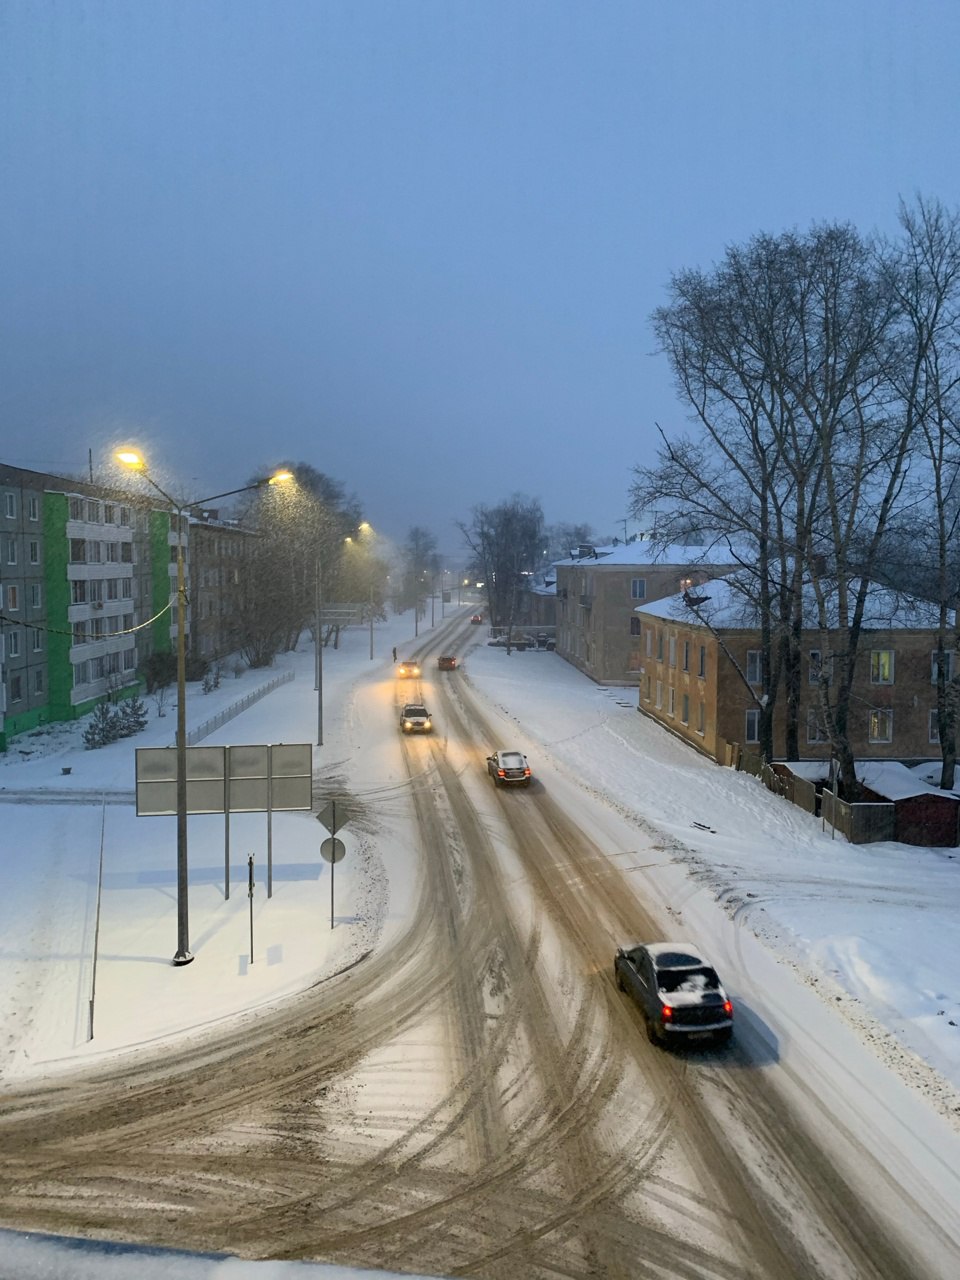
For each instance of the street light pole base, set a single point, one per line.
(182, 957)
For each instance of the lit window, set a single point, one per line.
(881, 671)
(881, 726)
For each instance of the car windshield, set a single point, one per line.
(702, 979)
(414, 711)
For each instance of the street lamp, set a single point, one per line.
(134, 460)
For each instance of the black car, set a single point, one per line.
(679, 993)
(509, 768)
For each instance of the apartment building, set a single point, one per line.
(220, 553)
(598, 590)
(691, 681)
(87, 576)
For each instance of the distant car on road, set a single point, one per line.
(509, 768)
(447, 662)
(477, 617)
(415, 718)
(679, 993)
(408, 668)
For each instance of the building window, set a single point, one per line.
(126, 553)
(13, 598)
(81, 673)
(701, 718)
(672, 659)
(671, 701)
(109, 513)
(659, 702)
(125, 516)
(113, 552)
(10, 506)
(78, 551)
(37, 639)
(703, 661)
(96, 591)
(16, 689)
(754, 667)
(933, 734)
(686, 655)
(752, 726)
(35, 595)
(659, 646)
(38, 680)
(79, 633)
(78, 592)
(94, 552)
(93, 511)
(34, 551)
(881, 671)
(638, 589)
(76, 508)
(649, 638)
(634, 626)
(113, 589)
(814, 665)
(129, 659)
(11, 551)
(685, 709)
(815, 729)
(947, 666)
(33, 508)
(13, 643)
(649, 692)
(881, 726)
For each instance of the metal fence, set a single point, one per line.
(216, 722)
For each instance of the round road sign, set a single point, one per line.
(333, 850)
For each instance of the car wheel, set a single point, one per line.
(653, 1035)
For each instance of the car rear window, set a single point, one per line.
(511, 760)
(703, 979)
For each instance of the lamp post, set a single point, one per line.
(134, 460)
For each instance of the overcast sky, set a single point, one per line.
(417, 243)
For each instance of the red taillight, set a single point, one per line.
(666, 1013)
(526, 773)
(728, 1008)
(501, 773)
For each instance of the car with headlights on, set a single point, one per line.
(679, 993)
(415, 718)
(408, 668)
(509, 769)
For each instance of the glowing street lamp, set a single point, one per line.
(134, 460)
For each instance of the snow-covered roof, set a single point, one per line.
(650, 553)
(722, 604)
(887, 778)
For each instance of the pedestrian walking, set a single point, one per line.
(394, 653)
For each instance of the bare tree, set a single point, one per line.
(507, 544)
(784, 353)
(923, 270)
